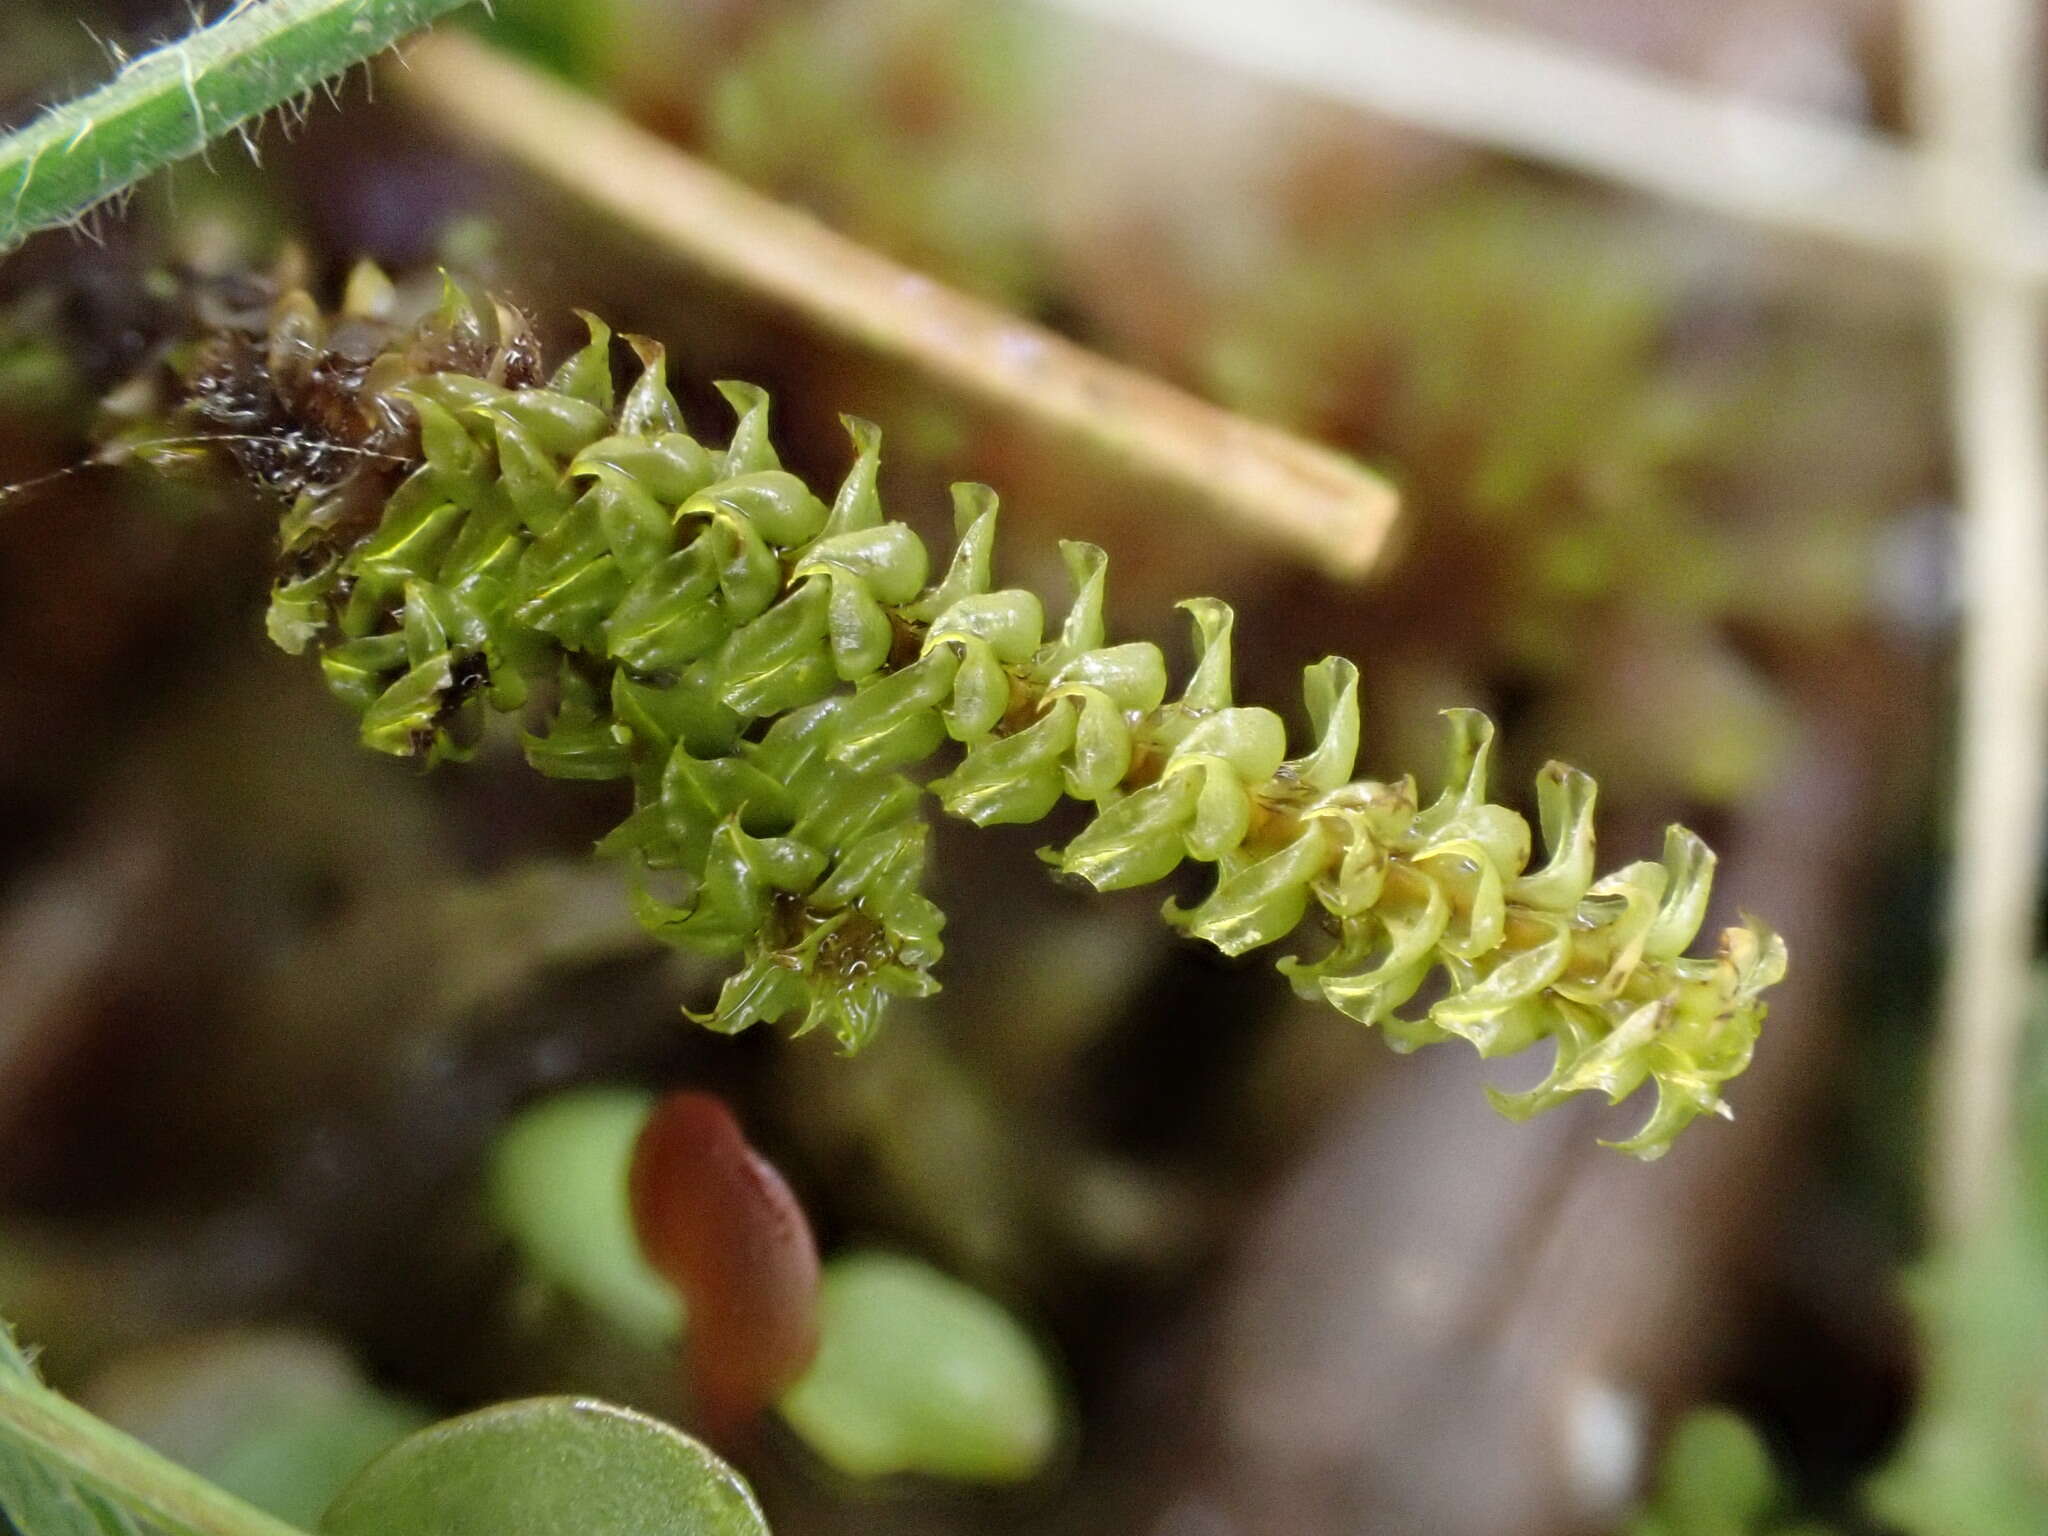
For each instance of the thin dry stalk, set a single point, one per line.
(1972, 73)
(1275, 486)
(1508, 89)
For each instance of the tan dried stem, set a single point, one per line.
(1275, 486)
(1509, 88)
(1972, 74)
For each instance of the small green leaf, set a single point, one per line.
(1716, 1480)
(65, 1472)
(1972, 1459)
(918, 1373)
(1716, 1467)
(292, 1466)
(558, 1190)
(548, 1466)
(278, 1417)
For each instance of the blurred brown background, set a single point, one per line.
(1677, 502)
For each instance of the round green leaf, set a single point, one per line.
(558, 1190)
(548, 1466)
(919, 1373)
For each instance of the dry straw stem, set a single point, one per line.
(1973, 64)
(1273, 485)
(1508, 88)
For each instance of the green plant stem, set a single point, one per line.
(174, 101)
(54, 1429)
